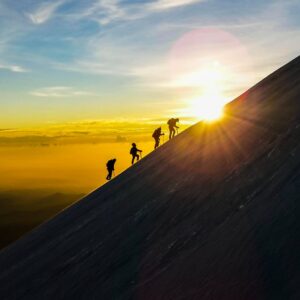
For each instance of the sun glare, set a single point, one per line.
(208, 107)
(209, 104)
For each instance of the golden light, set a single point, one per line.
(209, 107)
(209, 104)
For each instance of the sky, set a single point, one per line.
(68, 61)
(107, 72)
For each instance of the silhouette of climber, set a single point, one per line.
(110, 165)
(156, 135)
(172, 125)
(133, 151)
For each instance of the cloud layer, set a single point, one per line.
(85, 132)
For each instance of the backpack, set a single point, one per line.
(110, 164)
(171, 122)
(155, 133)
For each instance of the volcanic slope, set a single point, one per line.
(212, 214)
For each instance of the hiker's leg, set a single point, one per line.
(132, 161)
(137, 157)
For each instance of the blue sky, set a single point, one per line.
(68, 60)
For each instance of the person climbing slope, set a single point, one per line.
(172, 125)
(134, 152)
(156, 135)
(110, 165)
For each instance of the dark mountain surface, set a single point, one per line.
(23, 210)
(213, 214)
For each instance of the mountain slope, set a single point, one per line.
(213, 214)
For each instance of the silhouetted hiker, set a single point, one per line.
(172, 125)
(110, 168)
(156, 135)
(133, 151)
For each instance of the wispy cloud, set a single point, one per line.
(44, 12)
(59, 92)
(107, 11)
(13, 68)
(167, 4)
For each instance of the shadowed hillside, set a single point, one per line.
(213, 214)
(23, 210)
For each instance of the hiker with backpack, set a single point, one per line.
(172, 125)
(156, 135)
(110, 165)
(134, 152)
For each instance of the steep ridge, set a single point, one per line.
(213, 214)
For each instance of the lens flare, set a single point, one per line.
(203, 68)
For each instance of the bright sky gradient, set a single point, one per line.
(68, 60)
(105, 71)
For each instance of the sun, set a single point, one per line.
(210, 102)
(209, 107)
(206, 85)
(211, 113)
